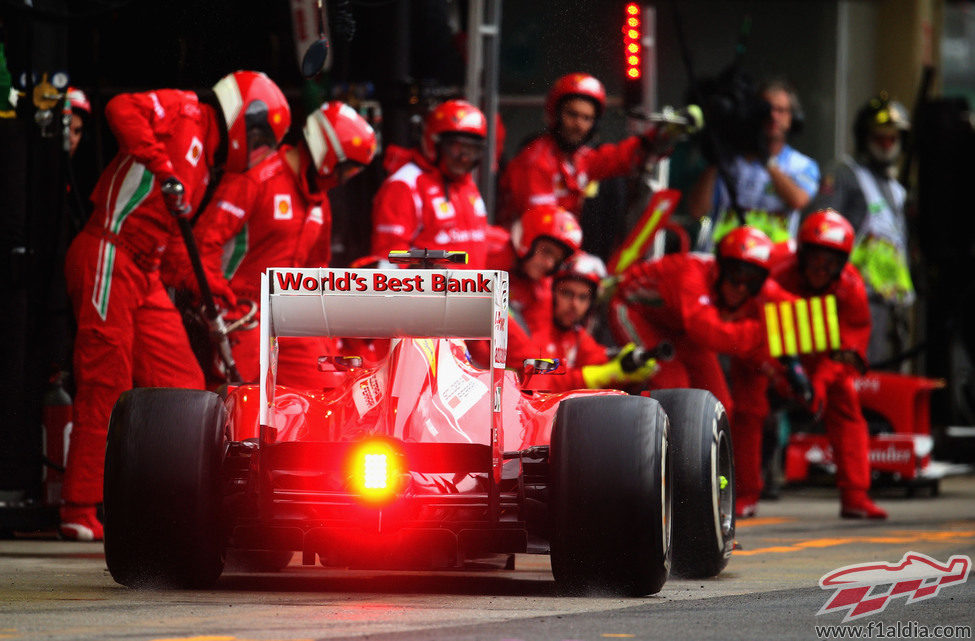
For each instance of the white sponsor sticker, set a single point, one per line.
(232, 208)
(458, 390)
(367, 393)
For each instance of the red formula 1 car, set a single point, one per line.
(897, 409)
(418, 460)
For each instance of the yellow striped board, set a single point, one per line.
(802, 326)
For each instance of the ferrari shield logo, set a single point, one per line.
(282, 207)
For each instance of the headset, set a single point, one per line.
(798, 115)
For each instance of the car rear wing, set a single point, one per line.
(384, 303)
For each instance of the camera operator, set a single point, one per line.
(772, 181)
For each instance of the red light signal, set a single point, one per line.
(632, 53)
(632, 34)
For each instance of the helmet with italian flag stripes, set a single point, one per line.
(340, 141)
(583, 267)
(255, 112)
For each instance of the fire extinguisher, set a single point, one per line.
(56, 419)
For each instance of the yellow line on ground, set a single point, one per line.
(213, 638)
(617, 636)
(911, 537)
(203, 638)
(766, 520)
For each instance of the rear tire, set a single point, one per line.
(163, 488)
(611, 496)
(704, 481)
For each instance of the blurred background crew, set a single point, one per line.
(540, 241)
(821, 267)
(432, 202)
(701, 304)
(575, 288)
(772, 181)
(866, 190)
(277, 214)
(129, 331)
(558, 166)
(80, 113)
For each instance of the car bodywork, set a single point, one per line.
(419, 459)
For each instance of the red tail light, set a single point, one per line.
(376, 471)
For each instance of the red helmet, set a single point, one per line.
(827, 228)
(78, 100)
(250, 100)
(451, 117)
(574, 85)
(336, 134)
(550, 221)
(748, 245)
(584, 267)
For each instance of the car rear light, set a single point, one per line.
(376, 471)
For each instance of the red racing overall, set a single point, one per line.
(832, 383)
(543, 174)
(672, 299)
(418, 207)
(128, 329)
(267, 217)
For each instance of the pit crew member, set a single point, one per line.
(540, 241)
(702, 305)
(575, 288)
(557, 167)
(432, 201)
(277, 215)
(128, 329)
(821, 267)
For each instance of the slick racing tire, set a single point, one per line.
(163, 488)
(611, 496)
(704, 481)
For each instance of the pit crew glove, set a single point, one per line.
(795, 375)
(851, 358)
(812, 397)
(615, 371)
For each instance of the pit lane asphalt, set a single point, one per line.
(58, 590)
